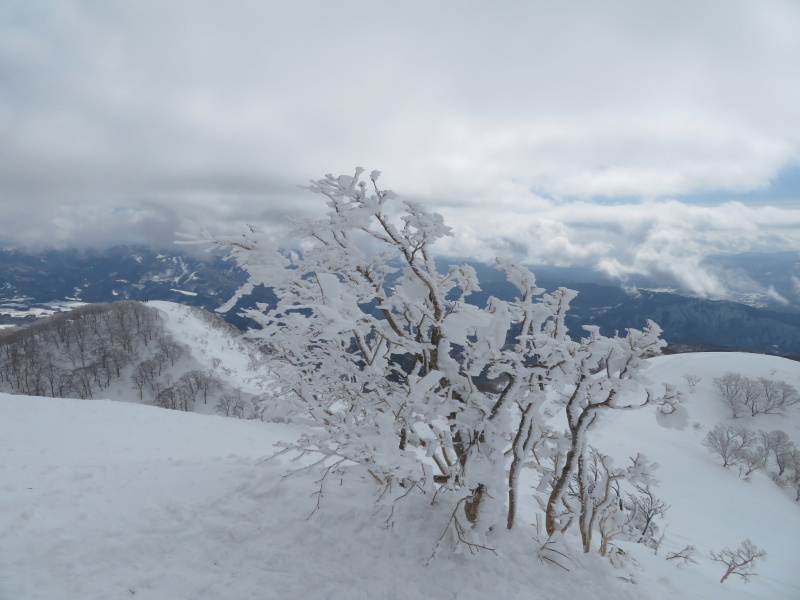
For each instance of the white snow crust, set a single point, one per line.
(111, 500)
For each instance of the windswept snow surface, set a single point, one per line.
(105, 500)
(108, 500)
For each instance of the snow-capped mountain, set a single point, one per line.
(688, 322)
(119, 273)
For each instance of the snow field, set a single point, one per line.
(108, 500)
(712, 507)
(105, 500)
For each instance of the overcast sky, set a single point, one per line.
(634, 137)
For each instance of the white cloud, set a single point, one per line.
(665, 241)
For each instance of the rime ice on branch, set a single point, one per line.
(381, 351)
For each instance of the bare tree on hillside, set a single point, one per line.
(204, 383)
(731, 388)
(144, 375)
(751, 395)
(740, 561)
(729, 443)
(118, 359)
(776, 396)
(169, 348)
(692, 380)
(81, 382)
(792, 462)
(778, 445)
(231, 404)
(760, 396)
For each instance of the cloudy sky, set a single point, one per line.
(633, 137)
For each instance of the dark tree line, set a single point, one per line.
(80, 353)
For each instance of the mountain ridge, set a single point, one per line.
(33, 284)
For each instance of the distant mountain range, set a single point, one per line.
(34, 284)
(37, 283)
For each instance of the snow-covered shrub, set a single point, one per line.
(382, 352)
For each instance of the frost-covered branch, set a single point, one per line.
(396, 373)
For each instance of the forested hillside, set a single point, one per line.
(128, 351)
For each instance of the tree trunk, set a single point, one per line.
(473, 505)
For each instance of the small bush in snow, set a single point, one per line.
(683, 557)
(692, 380)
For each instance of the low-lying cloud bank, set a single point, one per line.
(667, 242)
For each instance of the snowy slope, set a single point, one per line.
(108, 500)
(158, 353)
(213, 345)
(105, 501)
(712, 507)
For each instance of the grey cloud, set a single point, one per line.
(129, 119)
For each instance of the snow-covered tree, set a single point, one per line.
(379, 349)
(598, 503)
